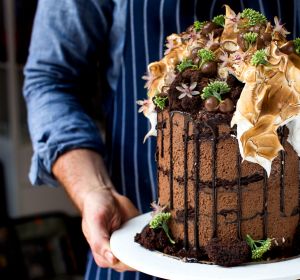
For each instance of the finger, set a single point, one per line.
(98, 238)
(127, 208)
(121, 267)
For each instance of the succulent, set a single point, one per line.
(161, 221)
(297, 45)
(160, 101)
(254, 17)
(219, 20)
(216, 89)
(259, 57)
(185, 63)
(198, 25)
(205, 56)
(258, 247)
(250, 37)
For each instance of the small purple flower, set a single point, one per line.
(225, 59)
(235, 20)
(187, 90)
(279, 28)
(145, 104)
(172, 43)
(157, 209)
(210, 41)
(150, 79)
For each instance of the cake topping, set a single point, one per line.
(257, 54)
(258, 247)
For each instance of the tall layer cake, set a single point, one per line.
(224, 103)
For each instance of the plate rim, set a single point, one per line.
(164, 266)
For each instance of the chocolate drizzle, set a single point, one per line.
(196, 185)
(282, 164)
(162, 137)
(193, 189)
(265, 204)
(214, 179)
(171, 159)
(239, 201)
(186, 133)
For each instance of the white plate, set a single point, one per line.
(157, 264)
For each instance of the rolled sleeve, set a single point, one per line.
(62, 63)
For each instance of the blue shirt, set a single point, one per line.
(72, 41)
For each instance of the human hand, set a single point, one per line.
(103, 211)
(83, 174)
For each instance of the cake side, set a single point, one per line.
(212, 194)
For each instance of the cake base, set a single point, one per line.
(163, 266)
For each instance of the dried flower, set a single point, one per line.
(169, 77)
(150, 79)
(145, 104)
(235, 20)
(157, 208)
(279, 28)
(211, 40)
(192, 36)
(187, 90)
(172, 42)
(225, 58)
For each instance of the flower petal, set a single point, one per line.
(182, 95)
(181, 89)
(184, 86)
(193, 85)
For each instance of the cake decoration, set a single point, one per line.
(224, 103)
(251, 49)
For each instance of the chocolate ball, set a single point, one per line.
(208, 28)
(211, 104)
(242, 42)
(226, 106)
(288, 48)
(209, 68)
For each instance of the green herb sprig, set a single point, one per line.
(219, 20)
(258, 247)
(254, 17)
(198, 25)
(250, 37)
(205, 56)
(297, 45)
(185, 63)
(216, 89)
(160, 101)
(259, 57)
(161, 221)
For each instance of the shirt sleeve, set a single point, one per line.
(67, 41)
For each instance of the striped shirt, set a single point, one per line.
(72, 40)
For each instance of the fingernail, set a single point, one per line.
(110, 257)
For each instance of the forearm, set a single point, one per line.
(81, 171)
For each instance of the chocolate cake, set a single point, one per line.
(224, 104)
